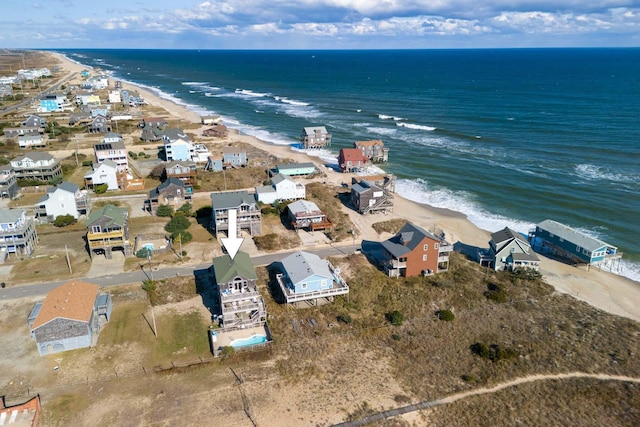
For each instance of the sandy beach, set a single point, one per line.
(606, 291)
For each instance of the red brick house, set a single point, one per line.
(351, 159)
(414, 252)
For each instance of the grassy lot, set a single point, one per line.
(232, 179)
(390, 226)
(328, 200)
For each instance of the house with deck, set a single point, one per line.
(351, 159)
(304, 214)
(108, 231)
(114, 150)
(368, 198)
(70, 317)
(374, 150)
(17, 234)
(8, 183)
(154, 122)
(63, 199)
(171, 192)
(414, 251)
(315, 137)
(307, 280)
(102, 173)
(177, 145)
(248, 214)
(35, 121)
(234, 157)
(510, 250)
(214, 164)
(37, 165)
(99, 124)
(559, 240)
(217, 131)
(241, 305)
(185, 171)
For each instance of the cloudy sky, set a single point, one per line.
(318, 24)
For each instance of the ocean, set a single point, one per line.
(508, 137)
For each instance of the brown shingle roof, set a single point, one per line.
(369, 143)
(72, 300)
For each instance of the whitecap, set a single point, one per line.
(597, 173)
(417, 127)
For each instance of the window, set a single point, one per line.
(578, 249)
(425, 247)
(303, 285)
(436, 246)
(424, 257)
(95, 229)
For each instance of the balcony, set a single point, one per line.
(340, 287)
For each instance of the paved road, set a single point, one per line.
(31, 290)
(47, 91)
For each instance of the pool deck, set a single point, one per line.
(224, 338)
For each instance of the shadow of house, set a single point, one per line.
(473, 253)
(207, 288)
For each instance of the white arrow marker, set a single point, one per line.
(233, 242)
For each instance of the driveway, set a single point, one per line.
(101, 266)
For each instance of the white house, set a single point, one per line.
(103, 173)
(282, 188)
(114, 97)
(115, 151)
(200, 153)
(34, 140)
(65, 199)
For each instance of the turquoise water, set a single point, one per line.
(246, 342)
(508, 137)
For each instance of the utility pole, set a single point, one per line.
(68, 260)
(153, 315)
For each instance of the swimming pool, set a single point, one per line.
(246, 342)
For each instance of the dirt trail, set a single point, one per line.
(487, 390)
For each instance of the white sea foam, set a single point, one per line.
(328, 157)
(414, 126)
(382, 131)
(286, 100)
(386, 117)
(248, 92)
(596, 173)
(421, 191)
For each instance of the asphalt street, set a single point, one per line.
(31, 290)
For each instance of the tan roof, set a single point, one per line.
(369, 143)
(72, 300)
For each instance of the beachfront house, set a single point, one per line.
(37, 166)
(217, 131)
(70, 317)
(8, 183)
(171, 192)
(351, 160)
(241, 305)
(113, 150)
(305, 279)
(374, 150)
(509, 250)
(64, 199)
(296, 169)
(282, 188)
(248, 214)
(414, 251)
(102, 173)
(315, 137)
(234, 157)
(367, 198)
(108, 231)
(154, 122)
(556, 239)
(17, 233)
(305, 214)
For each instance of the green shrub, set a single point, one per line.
(87, 163)
(164, 210)
(181, 236)
(344, 318)
(396, 337)
(446, 315)
(496, 293)
(144, 253)
(64, 220)
(185, 209)
(493, 352)
(133, 155)
(177, 224)
(100, 188)
(150, 287)
(395, 318)
(141, 154)
(226, 351)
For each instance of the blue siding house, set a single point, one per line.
(552, 237)
(292, 169)
(304, 276)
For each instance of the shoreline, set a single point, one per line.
(605, 290)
